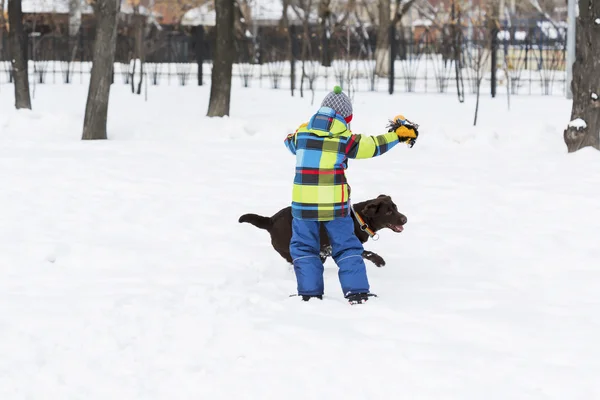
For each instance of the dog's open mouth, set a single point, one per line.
(396, 228)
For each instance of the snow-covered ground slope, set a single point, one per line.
(124, 273)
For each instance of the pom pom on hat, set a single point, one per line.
(337, 89)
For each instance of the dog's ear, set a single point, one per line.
(371, 208)
(384, 199)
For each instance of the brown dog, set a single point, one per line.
(377, 213)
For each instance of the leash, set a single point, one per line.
(363, 225)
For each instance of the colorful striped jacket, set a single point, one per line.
(322, 148)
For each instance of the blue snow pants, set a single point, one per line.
(346, 250)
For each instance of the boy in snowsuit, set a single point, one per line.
(320, 194)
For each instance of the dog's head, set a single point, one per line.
(383, 213)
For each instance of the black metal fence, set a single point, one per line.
(528, 58)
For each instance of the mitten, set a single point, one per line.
(407, 131)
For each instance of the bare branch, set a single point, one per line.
(538, 8)
(401, 10)
(366, 4)
(349, 9)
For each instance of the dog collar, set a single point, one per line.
(363, 225)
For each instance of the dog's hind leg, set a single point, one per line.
(374, 258)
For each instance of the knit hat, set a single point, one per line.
(339, 102)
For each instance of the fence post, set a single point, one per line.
(200, 52)
(392, 49)
(494, 60)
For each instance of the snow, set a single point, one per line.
(422, 22)
(594, 96)
(125, 274)
(597, 21)
(521, 35)
(505, 35)
(127, 8)
(53, 6)
(262, 12)
(550, 30)
(62, 7)
(578, 123)
(202, 15)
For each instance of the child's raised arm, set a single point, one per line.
(365, 146)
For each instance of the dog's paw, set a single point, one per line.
(374, 258)
(378, 261)
(325, 252)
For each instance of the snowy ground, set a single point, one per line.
(124, 273)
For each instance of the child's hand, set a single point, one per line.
(407, 131)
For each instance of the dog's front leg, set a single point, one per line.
(325, 252)
(374, 258)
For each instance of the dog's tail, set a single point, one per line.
(257, 220)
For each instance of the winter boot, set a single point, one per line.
(308, 297)
(359, 298)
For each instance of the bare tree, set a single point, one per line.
(479, 51)
(330, 22)
(96, 109)
(584, 128)
(139, 54)
(247, 48)
(74, 25)
(220, 87)
(18, 54)
(382, 51)
(325, 17)
(303, 12)
(74, 17)
(284, 23)
(545, 10)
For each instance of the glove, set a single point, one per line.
(407, 131)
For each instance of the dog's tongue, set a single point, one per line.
(397, 228)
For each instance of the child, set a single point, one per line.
(320, 194)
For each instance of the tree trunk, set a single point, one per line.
(133, 63)
(1, 24)
(584, 128)
(139, 44)
(74, 27)
(139, 23)
(18, 54)
(292, 55)
(325, 16)
(382, 50)
(96, 109)
(74, 17)
(220, 87)
(477, 99)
